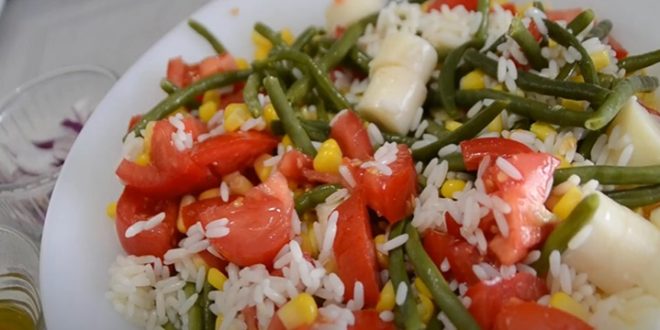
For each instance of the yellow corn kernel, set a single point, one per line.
(498, 2)
(328, 158)
(216, 278)
(452, 186)
(473, 80)
(242, 63)
(286, 141)
(148, 133)
(649, 100)
(207, 110)
(452, 125)
(601, 59)
(143, 159)
(499, 87)
(261, 53)
(263, 171)
(211, 95)
(235, 115)
(422, 288)
(308, 114)
(426, 5)
(259, 40)
(299, 311)
(210, 193)
(381, 257)
(270, 114)
(567, 203)
(111, 210)
(218, 321)
(330, 265)
(425, 308)
(287, 36)
(522, 7)
(574, 105)
(185, 200)
(561, 300)
(552, 43)
(542, 130)
(309, 244)
(563, 162)
(578, 78)
(238, 184)
(568, 143)
(386, 300)
(496, 125)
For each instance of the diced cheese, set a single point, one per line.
(644, 132)
(341, 13)
(408, 51)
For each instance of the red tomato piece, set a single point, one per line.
(392, 196)
(250, 316)
(565, 15)
(511, 7)
(526, 197)
(216, 64)
(470, 5)
(276, 323)
(488, 298)
(475, 150)
(132, 207)
(530, 315)
(321, 177)
(212, 261)
(231, 152)
(180, 73)
(190, 213)
(133, 121)
(351, 135)
(354, 249)
(370, 320)
(460, 255)
(620, 52)
(292, 165)
(259, 224)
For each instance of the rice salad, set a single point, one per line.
(463, 164)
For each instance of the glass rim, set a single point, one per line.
(47, 178)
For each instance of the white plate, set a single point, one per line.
(80, 243)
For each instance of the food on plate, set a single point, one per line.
(444, 164)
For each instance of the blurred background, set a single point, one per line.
(37, 36)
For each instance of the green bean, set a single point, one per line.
(406, 315)
(601, 30)
(195, 321)
(567, 39)
(443, 296)
(251, 92)
(526, 107)
(321, 112)
(468, 130)
(455, 162)
(205, 303)
(637, 197)
(309, 199)
(206, 34)
(284, 111)
(495, 44)
(185, 95)
(447, 80)
(566, 71)
(168, 86)
(407, 140)
(304, 38)
(619, 175)
(169, 326)
(588, 142)
(641, 61)
(581, 21)
(607, 80)
(325, 86)
(562, 234)
(539, 5)
(436, 129)
(268, 33)
(317, 130)
(622, 91)
(360, 59)
(434, 323)
(535, 83)
(527, 43)
(483, 6)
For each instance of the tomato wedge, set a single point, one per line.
(370, 320)
(566, 15)
(392, 196)
(530, 315)
(526, 197)
(460, 255)
(475, 150)
(259, 224)
(470, 5)
(216, 64)
(134, 206)
(619, 51)
(293, 163)
(354, 249)
(351, 135)
(180, 73)
(488, 298)
(232, 152)
(190, 213)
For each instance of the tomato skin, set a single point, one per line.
(370, 320)
(470, 5)
(212, 261)
(134, 206)
(259, 224)
(392, 196)
(354, 249)
(619, 51)
(460, 255)
(292, 165)
(190, 213)
(178, 72)
(216, 64)
(566, 15)
(475, 150)
(351, 135)
(232, 152)
(488, 298)
(530, 315)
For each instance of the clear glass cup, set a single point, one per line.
(38, 123)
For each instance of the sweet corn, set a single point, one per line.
(542, 130)
(499, 87)
(649, 100)
(242, 63)
(563, 162)
(287, 36)
(426, 5)
(574, 105)
(148, 133)
(578, 78)
(261, 53)
(328, 158)
(235, 115)
(218, 321)
(561, 300)
(211, 96)
(216, 278)
(308, 114)
(207, 110)
(309, 244)
(601, 59)
(330, 265)
(422, 288)
(263, 171)
(522, 8)
(286, 141)
(143, 159)
(238, 184)
(263, 46)
(425, 308)
(111, 210)
(567, 203)
(269, 114)
(452, 186)
(382, 259)
(496, 125)
(386, 300)
(210, 193)
(473, 80)
(185, 200)
(552, 43)
(299, 311)
(452, 125)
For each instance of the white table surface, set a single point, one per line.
(37, 36)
